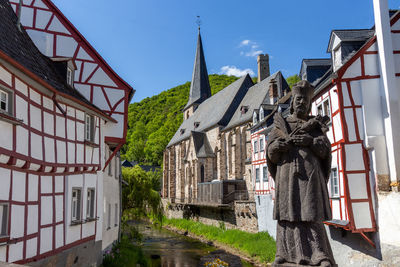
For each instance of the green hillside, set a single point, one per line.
(153, 121)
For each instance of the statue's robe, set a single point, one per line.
(301, 196)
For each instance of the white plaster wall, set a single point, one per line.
(72, 231)
(5, 184)
(46, 239)
(6, 135)
(5, 76)
(22, 140)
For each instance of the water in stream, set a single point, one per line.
(169, 249)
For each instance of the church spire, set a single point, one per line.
(200, 87)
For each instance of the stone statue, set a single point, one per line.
(299, 159)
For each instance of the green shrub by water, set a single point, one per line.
(259, 245)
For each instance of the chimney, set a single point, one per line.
(263, 67)
(273, 89)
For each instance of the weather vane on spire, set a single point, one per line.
(198, 22)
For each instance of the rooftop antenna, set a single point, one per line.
(198, 22)
(19, 15)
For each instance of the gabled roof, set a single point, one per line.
(200, 88)
(354, 35)
(82, 38)
(201, 145)
(215, 111)
(254, 98)
(18, 46)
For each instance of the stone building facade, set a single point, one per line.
(207, 164)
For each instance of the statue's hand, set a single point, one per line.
(280, 146)
(302, 139)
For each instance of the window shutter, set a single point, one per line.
(78, 208)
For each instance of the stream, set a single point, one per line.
(169, 249)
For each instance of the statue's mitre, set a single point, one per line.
(303, 88)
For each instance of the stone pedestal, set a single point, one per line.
(296, 265)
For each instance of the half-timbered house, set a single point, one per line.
(63, 119)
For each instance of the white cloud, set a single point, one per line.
(245, 43)
(251, 48)
(234, 71)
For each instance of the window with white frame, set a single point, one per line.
(76, 204)
(334, 181)
(261, 144)
(324, 108)
(3, 219)
(257, 175)
(116, 215)
(255, 147)
(70, 77)
(6, 101)
(90, 203)
(89, 127)
(265, 174)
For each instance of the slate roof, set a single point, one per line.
(18, 45)
(201, 145)
(200, 88)
(314, 68)
(254, 98)
(146, 168)
(215, 111)
(350, 35)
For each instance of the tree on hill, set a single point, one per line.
(291, 80)
(153, 121)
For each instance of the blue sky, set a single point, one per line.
(151, 43)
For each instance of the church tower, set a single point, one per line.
(200, 87)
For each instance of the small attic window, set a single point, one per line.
(244, 109)
(182, 131)
(255, 118)
(261, 114)
(70, 76)
(196, 124)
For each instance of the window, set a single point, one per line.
(334, 183)
(324, 109)
(70, 77)
(255, 147)
(261, 114)
(76, 204)
(265, 174)
(6, 101)
(254, 118)
(202, 174)
(261, 144)
(257, 175)
(90, 204)
(116, 215)
(3, 220)
(89, 128)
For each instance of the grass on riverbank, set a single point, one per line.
(260, 245)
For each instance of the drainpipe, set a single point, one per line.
(120, 197)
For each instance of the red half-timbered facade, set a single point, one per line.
(56, 139)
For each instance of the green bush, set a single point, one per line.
(260, 245)
(124, 254)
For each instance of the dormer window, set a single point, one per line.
(255, 118)
(182, 131)
(244, 109)
(196, 124)
(337, 57)
(70, 77)
(261, 114)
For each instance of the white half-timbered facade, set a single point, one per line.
(57, 139)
